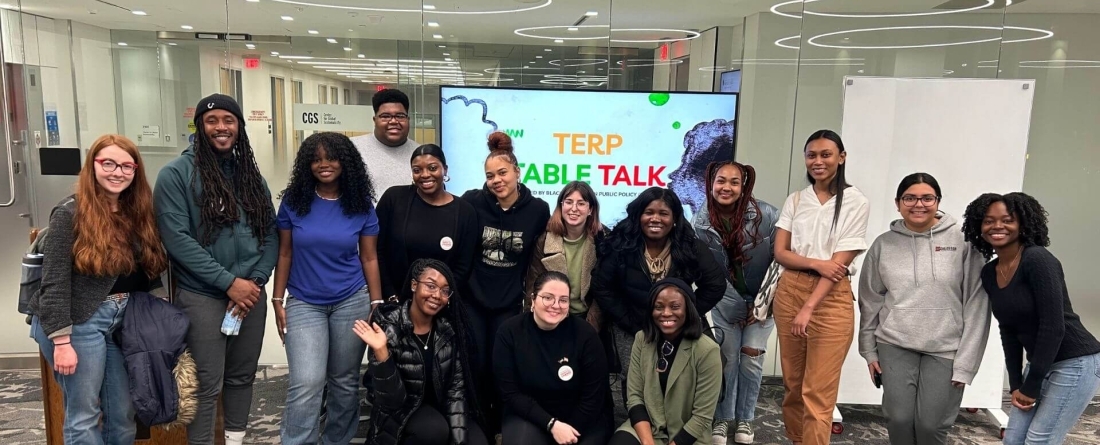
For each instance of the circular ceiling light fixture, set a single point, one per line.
(425, 10)
(569, 63)
(1041, 34)
(775, 10)
(525, 32)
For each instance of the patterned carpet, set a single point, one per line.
(21, 421)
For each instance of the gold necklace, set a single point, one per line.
(1010, 265)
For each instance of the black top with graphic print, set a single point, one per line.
(507, 243)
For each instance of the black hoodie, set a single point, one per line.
(507, 244)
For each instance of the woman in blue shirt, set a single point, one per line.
(327, 267)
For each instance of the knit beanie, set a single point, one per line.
(676, 282)
(218, 102)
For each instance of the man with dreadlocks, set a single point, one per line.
(217, 222)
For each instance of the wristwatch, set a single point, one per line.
(258, 282)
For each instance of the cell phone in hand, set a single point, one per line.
(878, 380)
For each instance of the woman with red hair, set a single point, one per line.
(102, 245)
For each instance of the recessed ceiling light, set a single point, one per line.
(347, 48)
(447, 59)
(558, 40)
(433, 24)
(362, 56)
(187, 27)
(274, 53)
(437, 36)
(531, 62)
(547, 50)
(288, 18)
(252, 1)
(446, 54)
(591, 13)
(313, 31)
(122, 44)
(331, 40)
(138, 12)
(574, 28)
(538, 57)
(171, 44)
(442, 46)
(250, 46)
(429, 8)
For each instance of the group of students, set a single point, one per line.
(489, 314)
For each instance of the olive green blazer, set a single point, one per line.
(693, 388)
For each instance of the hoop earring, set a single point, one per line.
(446, 178)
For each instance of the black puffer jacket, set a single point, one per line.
(399, 381)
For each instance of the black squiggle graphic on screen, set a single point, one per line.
(484, 108)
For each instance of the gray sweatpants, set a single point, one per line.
(918, 399)
(226, 365)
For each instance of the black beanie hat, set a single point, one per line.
(218, 102)
(678, 283)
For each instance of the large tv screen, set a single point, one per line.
(620, 142)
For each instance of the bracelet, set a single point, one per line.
(550, 425)
(62, 344)
(374, 302)
(276, 300)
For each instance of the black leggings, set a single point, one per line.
(426, 426)
(517, 431)
(623, 438)
(484, 324)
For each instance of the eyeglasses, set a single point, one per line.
(927, 200)
(580, 204)
(109, 166)
(444, 292)
(666, 350)
(386, 117)
(550, 300)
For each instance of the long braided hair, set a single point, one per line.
(221, 198)
(733, 234)
(454, 312)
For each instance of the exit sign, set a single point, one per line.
(379, 87)
(251, 63)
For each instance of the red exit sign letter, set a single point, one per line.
(252, 63)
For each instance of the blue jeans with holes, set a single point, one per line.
(741, 373)
(321, 350)
(1067, 390)
(100, 385)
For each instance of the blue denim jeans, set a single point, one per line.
(1067, 390)
(100, 385)
(321, 350)
(741, 373)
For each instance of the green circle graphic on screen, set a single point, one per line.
(676, 125)
(658, 99)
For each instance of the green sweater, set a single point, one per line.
(235, 252)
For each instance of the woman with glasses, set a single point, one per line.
(822, 228)
(924, 317)
(419, 357)
(510, 219)
(328, 272)
(675, 373)
(551, 372)
(740, 231)
(102, 245)
(423, 220)
(1028, 293)
(569, 246)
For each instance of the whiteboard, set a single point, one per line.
(971, 135)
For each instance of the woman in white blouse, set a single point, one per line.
(820, 231)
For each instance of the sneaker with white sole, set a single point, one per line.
(744, 434)
(718, 436)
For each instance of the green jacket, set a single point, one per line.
(235, 252)
(693, 388)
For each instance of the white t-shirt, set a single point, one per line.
(387, 166)
(811, 227)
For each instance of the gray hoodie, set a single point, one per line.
(923, 292)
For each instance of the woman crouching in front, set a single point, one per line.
(418, 354)
(675, 373)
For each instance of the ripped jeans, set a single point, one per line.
(741, 372)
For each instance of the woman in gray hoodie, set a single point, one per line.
(924, 317)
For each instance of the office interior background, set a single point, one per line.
(77, 69)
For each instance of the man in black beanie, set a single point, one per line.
(217, 223)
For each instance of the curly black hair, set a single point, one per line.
(1027, 211)
(627, 236)
(454, 312)
(356, 186)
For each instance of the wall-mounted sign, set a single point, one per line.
(251, 63)
(325, 117)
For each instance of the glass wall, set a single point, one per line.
(105, 68)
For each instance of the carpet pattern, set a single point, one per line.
(21, 418)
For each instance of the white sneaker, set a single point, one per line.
(234, 437)
(744, 433)
(718, 436)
